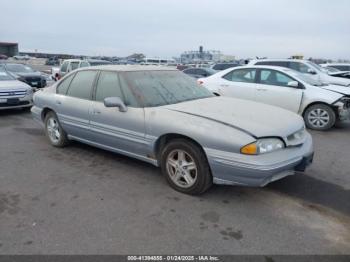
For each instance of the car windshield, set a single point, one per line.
(316, 66)
(305, 78)
(4, 76)
(157, 88)
(18, 68)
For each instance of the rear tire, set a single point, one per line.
(54, 131)
(185, 167)
(319, 117)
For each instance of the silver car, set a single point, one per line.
(161, 116)
(14, 93)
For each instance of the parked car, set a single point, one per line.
(53, 61)
(21, 57)
(3, 57)
(321, 105)
(339, 66)
(72, 64)
(199, 72)
(223, 66)
(306, 67)
(14, 93)
(161, 116)
(26, 74)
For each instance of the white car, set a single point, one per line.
(321, 105)
(14, 93)
(306, 67)
(340, 66)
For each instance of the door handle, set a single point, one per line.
(96, 111)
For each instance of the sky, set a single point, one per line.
(166, 28)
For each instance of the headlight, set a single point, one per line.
(262, 146)
(29, 91)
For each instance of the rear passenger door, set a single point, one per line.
(122, 131)
(73, 102)
(239, 83)
(273, 89)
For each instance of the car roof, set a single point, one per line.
(279, 68)
(129, 68)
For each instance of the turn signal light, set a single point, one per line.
(250, 149)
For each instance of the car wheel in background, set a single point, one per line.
(185, 167)
(319, 117)
(54, 131)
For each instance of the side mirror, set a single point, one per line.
(311, 71)
(115, 102)
(293, 84)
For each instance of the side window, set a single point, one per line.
(241, 75)
(81, 85)
(341, 67)
(272, 77)
(108, 86)
(74, 65)
(130, 99)
(273, 63)
(63, 86)
(64, 67)
(84, 64)
(190, 71)
(300, 67)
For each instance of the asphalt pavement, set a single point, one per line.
(83, 200)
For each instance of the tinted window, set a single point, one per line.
(156, 88)
(272, 77)
(84, 64)
(190, 71)
(241, 75)
(273, 63)
(81, 84)
(63, 86)
(74, 65)
(64, 67)
(108, 86)
(300, 67)
(223, 66)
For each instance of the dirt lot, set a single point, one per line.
(82, 200)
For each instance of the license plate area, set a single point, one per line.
(13, 101)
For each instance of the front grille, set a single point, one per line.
(12, 93)
(21, 103)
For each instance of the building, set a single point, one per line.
(201, 56)
(8, 49)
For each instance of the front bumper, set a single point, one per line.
(344, 114)
(26, 101)
(238, 169)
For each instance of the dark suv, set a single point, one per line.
(25, 74)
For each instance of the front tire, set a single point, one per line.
(185, 167)
(54, 132)
(319, 117)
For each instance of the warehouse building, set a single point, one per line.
(8, 49)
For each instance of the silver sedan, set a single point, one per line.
(161, 116)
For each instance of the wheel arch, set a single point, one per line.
(320, 102)
(166, 138)
(45, 111)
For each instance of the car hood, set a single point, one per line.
(337, 88)
(256, 119)
(13, 84)
(338, 80)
